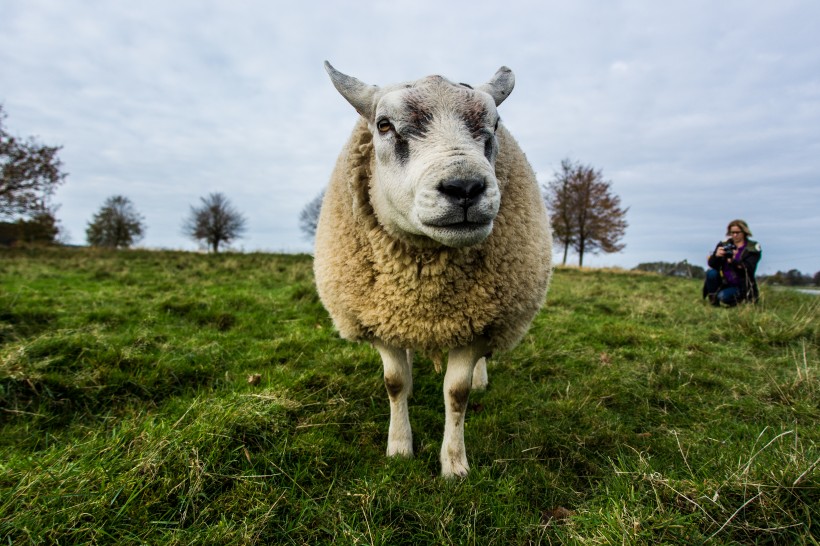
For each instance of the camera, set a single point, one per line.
(729, 248)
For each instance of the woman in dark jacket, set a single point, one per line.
(733, 263)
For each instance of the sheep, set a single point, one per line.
(432, 236)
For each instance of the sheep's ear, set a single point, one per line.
(357, 93)
(500, 85)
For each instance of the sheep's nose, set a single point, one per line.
(463, 190)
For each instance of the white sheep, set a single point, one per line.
(432, 236)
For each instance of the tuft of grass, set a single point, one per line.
(631, 413)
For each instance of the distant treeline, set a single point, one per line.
(793, 277)
(684, 269)
(679, 269)
(42, 229)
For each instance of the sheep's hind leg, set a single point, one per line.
(480, 378)
(457, 383)
(398, 380)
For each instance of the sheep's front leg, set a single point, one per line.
(398, 379)
(457, 384)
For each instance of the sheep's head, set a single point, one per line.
(435, 147)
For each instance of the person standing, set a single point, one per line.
(731, 277)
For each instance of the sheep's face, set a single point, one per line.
(435, 149)
(435, 152)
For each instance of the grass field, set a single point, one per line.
(632, 413)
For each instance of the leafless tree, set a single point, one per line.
(116, 225)
(29, 174)
(215, 221)
(309, 217)
(586, 215)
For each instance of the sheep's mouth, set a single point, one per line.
(462, 226)
(461, 220)
(457, 225)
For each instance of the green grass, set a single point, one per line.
(631, 413)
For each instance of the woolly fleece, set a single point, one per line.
(431, 298)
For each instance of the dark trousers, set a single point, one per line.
(718, 292)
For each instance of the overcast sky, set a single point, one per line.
(698, 111)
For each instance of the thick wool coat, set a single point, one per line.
(431, 297)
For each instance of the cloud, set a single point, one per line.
(698, 112)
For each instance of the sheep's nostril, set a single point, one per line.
(463, 188)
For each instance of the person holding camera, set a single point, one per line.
(731, 277)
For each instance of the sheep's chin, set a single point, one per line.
(459, 235)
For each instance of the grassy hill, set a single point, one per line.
(632, 413)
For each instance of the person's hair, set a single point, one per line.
(744, 227)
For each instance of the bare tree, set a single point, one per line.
(29, 174)
(586, 214)
(309, 217)
(116, 225)
(216, 221)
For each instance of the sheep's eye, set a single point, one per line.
(384, 125)
(496, 124)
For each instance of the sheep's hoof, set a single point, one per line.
(454, 465)
(400, 450)
(454, 470)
